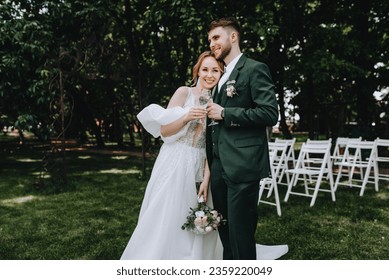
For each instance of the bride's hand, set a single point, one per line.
(195, 113)
(203, 191)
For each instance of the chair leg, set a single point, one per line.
(332, 189)
(261, 188)
(364, 182)
(306, 184)
(316, 191)
(366, 178)
(277, 198)
(338, 177)
(287, 178)
(281, 175)
(376, 176)
(351, 175)
(269, 193)
(290, 185)
(313, 200)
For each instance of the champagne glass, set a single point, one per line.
(204, 99)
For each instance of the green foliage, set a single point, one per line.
(25, 122)
(116, 57)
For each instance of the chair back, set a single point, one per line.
(278, 157)
(340, 145)
(359, 158)
(290, 159)
(382, 158)
(314, 166)
(315, 155)
(290, 155)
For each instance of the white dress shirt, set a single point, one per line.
(228, 70)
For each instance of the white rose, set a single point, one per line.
(198, 221)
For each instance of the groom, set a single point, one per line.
(237, 150)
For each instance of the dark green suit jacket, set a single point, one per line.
(239, 140)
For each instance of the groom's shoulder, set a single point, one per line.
(252, 63)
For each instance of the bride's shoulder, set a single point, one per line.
(179, 97)
(183, 90)
(181, 93)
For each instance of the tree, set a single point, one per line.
(326, 58)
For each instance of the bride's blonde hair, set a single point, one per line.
(196, 67)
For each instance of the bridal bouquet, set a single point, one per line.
(202, 219)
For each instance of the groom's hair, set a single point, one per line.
(228, 22)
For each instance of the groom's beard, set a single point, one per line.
(226, 51)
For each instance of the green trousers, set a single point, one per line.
(237, 202)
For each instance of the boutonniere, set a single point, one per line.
(231, 90)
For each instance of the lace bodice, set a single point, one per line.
(195, 136)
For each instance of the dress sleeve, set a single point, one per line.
(153, 116)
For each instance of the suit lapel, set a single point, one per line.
(234, 76)
(214, 92)
(219, 93)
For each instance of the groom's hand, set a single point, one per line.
(214, 111)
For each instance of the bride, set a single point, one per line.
(180, 166)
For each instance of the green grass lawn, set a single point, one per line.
(95, 217)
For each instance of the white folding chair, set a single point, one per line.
(340, 145)
(359, 158)
(312, 157)
(277, 158)
(382, 158)
(313, 162)
(290, 159)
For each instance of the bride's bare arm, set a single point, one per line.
(178, 99)
(203, 190)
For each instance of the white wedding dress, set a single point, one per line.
(171, 191)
